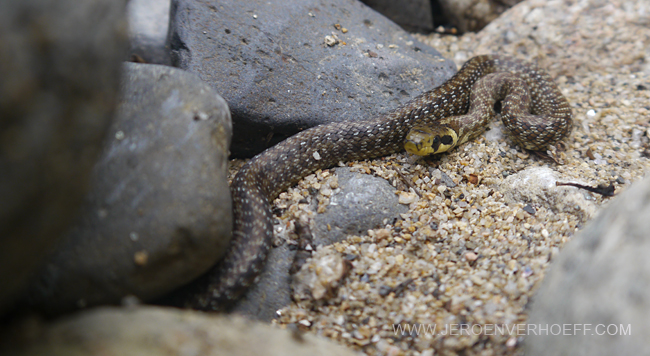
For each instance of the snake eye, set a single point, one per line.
(436, 140)
(447, 140)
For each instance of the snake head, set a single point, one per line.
(429, 140)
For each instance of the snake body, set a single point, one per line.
(533, 128)
(265, 176)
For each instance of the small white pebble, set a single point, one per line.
(407, 198)
(331, 40)
(316, 156)
(382, 234)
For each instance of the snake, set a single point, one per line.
(534, 112)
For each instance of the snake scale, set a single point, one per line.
(265, 176)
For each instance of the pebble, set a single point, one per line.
(407, 198)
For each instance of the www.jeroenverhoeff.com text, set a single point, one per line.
(513, 329)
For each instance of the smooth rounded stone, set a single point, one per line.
(60, 64)
(412, 15)
(600, 281)
(536, 185)
(148, 26)
(284, 66)
(142, 330)
(364, 202)
(473, 15)
(159, 210)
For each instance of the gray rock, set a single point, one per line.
(284, 66)
(599, 286)
(364, 202)
(58, 89)
(446, 180)
(159, 212)
(273, 290)
(148, 27)
(412, 15)
(163, 331)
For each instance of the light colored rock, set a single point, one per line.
(599, 286)
(148, 26)
(163, 331)
(536, 185)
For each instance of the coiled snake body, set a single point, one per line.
(262, 179)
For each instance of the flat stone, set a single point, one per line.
(536, 185)
(599, 285)
(159, 211)
(364, 202)
(285, 66)
(141, 330)
(58, 89)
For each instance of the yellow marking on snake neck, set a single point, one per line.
(428, 140)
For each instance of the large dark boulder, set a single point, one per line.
(284, 66)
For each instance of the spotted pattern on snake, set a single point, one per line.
(265, 176)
